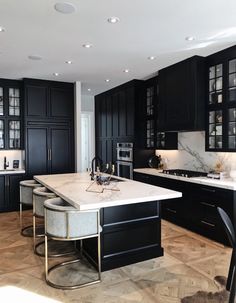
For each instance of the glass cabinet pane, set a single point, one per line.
(160, 140)
(232, 128)
(150, 133)
(215, 129)
(1, 134)
(14, 134)
(216, 84)
(14, 102)
(150, 101)
(232, 80)
(1, 102)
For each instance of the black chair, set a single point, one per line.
(229, 228)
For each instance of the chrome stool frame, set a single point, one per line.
(26, 198)
(67, 211)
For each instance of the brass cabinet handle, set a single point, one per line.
(207, 223)
(208, 204)
(50, 154)
(171, 210)
(7, 181)
(208, 189)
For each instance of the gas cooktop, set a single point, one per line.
(184, 173)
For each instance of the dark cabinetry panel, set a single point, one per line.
(36, 99)
(10, 192)
(196, 210)
(181, 88)
(61, 105)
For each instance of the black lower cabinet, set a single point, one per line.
(196, 210)
(10, 192)
(49, 149)
(130, 233)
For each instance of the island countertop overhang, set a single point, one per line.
(72, 188)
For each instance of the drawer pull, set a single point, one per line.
(207, 223)
(207, 204)
(208, 189)
(171, 210)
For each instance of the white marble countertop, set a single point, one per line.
(226, 183)
(72, 188)
(12, 171)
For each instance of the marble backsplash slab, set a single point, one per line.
(191, 154)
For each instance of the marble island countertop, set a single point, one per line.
(72, 188)
(226, 183)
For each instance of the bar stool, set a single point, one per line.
(40, 195)
(229, 229)
(26, 198)
(65, 223)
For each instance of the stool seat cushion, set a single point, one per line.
(65, 221)
(40, 195)
(26, 191)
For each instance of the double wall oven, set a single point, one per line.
(125, 160)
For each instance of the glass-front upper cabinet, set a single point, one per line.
(10, 114)
(14, 101)
(221, 104)
(150, 122)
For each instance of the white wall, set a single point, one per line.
(191, 154)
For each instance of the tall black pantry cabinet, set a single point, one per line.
(49, 127)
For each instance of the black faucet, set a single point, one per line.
(6, 164)
(96, 162)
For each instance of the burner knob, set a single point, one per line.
(175, 174)
(186, 176)
(182, 175)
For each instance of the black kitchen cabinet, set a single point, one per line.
(182, 94)
(119, 118)
(11, 114)
(155, 138)
(49, 149)
(221, 101)
(196, 209)
(45, 100)
(10, 192)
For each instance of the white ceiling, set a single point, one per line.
(146, 28)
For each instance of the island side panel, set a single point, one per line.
(131, 233)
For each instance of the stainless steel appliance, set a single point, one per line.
(125, 160)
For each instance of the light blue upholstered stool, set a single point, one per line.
(26, 198)
(63, 222)
(40, 195)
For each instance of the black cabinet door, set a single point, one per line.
(61, 102)
(14, 191)
(109, 116)
(122, 114)
(3, 196)
(61, 153)
(181, 92)
(130, 106)
(115, 116)
(37, 150)
(36, 100)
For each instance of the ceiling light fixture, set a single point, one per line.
(65, 8)
(35, 57)
(126, 70)
(69, 62)
(190, 38)
(2, 29)
(56, 74)
(87, 45)
(89, 89)
(151, 57)
(113, 20)
(107, 80)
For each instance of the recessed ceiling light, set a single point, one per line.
(69, 62)
(107, 80)
(151, 57)
(190, 38)
(65, 8)
(35, 57)
(89, 89)
(56, 74)
(2, 29)
(113, 20)
(87, 45)
(126, 70)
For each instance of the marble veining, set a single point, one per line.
(72, 188)
(191, 154)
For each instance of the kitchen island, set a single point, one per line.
(130, 216)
